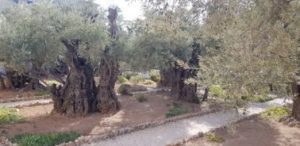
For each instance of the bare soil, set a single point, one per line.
(38, 119)
(254, 132)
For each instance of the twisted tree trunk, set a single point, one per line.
(109, 70)
(78, 95)
(107, 99)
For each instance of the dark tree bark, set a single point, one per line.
(181, 89)
(166, 77)
(109, 70)
(2, 85)
(296, 104)
(77, 96)
(107, 99)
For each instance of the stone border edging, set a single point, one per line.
(25, 99)
(126, 130)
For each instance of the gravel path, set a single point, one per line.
(25, 103)
(176, 131)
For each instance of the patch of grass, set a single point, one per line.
(217, 91)
(141, 98)
(42, 93)
(214, 138)
(9, 115)
(257, 98)
(276, 113)
(136, 79)
(176, 110)
(122, 79)
(50, 139)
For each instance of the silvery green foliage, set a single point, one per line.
(32, 33)
(258, 45)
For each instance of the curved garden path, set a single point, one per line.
(179, 130)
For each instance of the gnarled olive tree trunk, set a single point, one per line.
(184, 85)
(107, 99)
(78, 95)
(109, 71)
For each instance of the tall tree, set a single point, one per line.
(258, 46)
(109, 69)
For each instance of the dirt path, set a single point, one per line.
(176, 131)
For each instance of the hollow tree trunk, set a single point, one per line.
(296, 104)
(166, 77)
(77, 96)
(107, 99)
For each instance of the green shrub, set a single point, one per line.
(9, 115)
(214, 138)
(124, 89)
(141, 98)
(217, 91)
(175, 111)
(122, 79)
(50, 139)
(129, 74)
(276, 113)
(154, 75)
(136, 79)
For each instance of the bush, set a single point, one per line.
(129, 74)
(276, 113)
(155, 75)
(136, 79)
(141, 98)
(124, 89)
(176, 110)
(214, 138)
(51, 139)
(217, 91)
(9, 115)
(122, 79)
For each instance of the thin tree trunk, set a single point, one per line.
(77, 96)
(296, 104)
(2, 85)
(205, 96)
